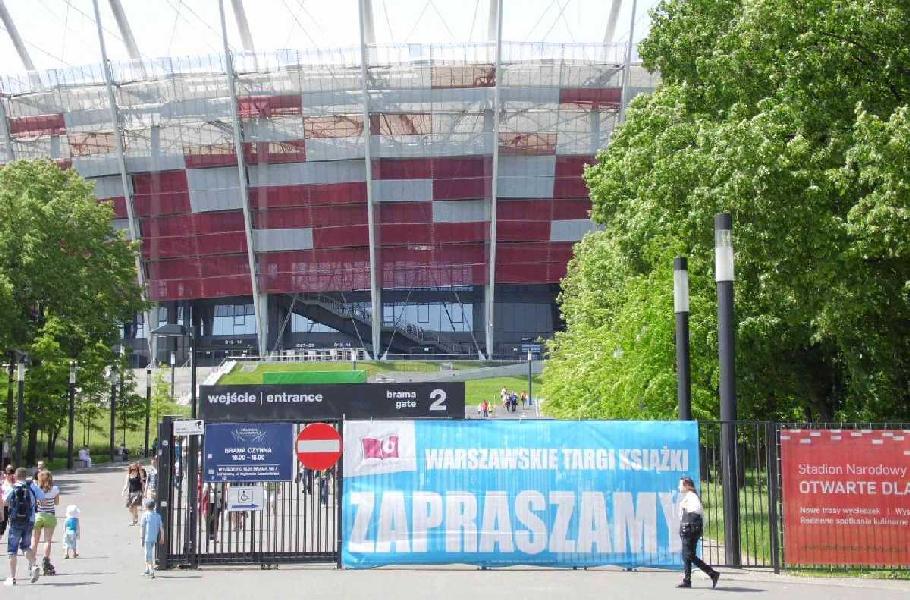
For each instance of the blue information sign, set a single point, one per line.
(248, 452)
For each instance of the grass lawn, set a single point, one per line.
(98, 441)
(240, 376)
(754, 536)
(478, 389)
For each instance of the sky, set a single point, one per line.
(62, 33)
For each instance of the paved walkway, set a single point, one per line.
(110, 566)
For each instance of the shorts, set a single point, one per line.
(18, 538)
(134, 499)
(45, 520)
(149, 552)
(69, 540)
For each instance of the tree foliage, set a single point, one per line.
(794, 117)
(67, 280)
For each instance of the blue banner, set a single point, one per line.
(497, 493)
(248, 452)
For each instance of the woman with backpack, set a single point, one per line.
(46, 517)
(133, 490)
(691, 525)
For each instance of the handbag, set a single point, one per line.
(691, 525)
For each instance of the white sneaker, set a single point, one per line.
(36, 573)
(9, 582)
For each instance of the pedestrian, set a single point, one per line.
(150, 533)
(22, 501)
(85, 457)
(486, 408)
(6, 486)
(72, 531)
(524, 400)
(38, 468)
(46, 518)
(132, 490)
(151, 484)
(691, 526)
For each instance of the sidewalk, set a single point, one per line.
(110, 566)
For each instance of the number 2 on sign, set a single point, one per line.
(439, 400)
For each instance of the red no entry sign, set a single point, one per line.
(318, 446)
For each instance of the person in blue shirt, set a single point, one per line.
(150, 533)
(72, 531)
(22, 501)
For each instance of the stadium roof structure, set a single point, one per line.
(253, 170)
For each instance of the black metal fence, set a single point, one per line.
(300, 521)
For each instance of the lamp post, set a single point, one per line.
(724, 276)
(681, 308)
(115, 380)
(148, 405)
(20, 412)
(120, 395)
(10, 395)
(173, 367)
(72, 416)
(530, 379)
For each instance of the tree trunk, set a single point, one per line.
(52, 443)
(32, 450)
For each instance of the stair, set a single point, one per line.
(357, 323)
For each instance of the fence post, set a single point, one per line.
(773, 494)
(339, 499)
(165, 487)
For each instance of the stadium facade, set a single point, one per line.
(402, 199)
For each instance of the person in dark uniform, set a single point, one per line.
(691, 525)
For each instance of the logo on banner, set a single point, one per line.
(381, 448)
(248, 435)
(372, 448)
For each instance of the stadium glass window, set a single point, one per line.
(139, 324)
(234, 319)
(423, 313)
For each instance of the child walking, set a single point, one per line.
(150, 533)
(71, 531)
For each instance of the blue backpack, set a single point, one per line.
(21, 508)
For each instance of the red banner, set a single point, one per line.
(846, 497)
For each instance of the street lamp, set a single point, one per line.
(724, 276)
(681, 308)
(173, 363)
(114, 381)
(72, 416)
(148, 405)
(530, 381)
(20, 413)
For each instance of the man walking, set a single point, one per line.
(22, 501)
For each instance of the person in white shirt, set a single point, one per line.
(691, 525)
(85, 457)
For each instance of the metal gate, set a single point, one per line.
(301, 521)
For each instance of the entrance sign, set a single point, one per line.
(846, 497)
(241, 498)
(318, 446)
(248, 452)
(498, 493)
(330, 402)
(189, 427)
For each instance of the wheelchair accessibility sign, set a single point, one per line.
(245, 497)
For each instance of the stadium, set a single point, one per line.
(399, 198)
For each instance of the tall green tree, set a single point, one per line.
(793, 116)
(67, 280)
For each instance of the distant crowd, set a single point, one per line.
(508, 401)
